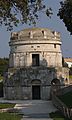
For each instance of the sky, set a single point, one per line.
(54, 23)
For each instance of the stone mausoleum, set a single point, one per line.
(35, 59)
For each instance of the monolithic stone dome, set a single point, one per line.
(34, 33)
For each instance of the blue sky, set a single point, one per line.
(54, 23)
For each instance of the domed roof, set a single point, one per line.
(36, 32)
(35, 29)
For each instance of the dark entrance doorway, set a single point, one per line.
(36, 92)
(35, 59)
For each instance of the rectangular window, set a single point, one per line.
(54, 45)
(38, 46)
(35, 59)
(32, 46)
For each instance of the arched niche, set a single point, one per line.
(36, 82)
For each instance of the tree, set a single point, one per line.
(64, 64)
(65, 13)
(13, 12)
(70, 71)
(3, 65)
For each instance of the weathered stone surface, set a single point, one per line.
(35, 60)
(40, 41)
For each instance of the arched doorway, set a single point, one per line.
(36, 89)
(55, 86)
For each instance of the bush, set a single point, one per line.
(1, 89)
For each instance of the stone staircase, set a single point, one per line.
(36, 109)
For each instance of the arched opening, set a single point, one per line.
(55, 86)
(55, 82)
(36, 89)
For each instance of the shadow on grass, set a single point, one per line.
(10, 116)
(58, 116)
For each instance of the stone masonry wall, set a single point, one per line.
(18, 85)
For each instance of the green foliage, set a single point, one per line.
(65, 13)
(70, 76)
(70, 71)
(1, 88)
(13, 12)
(67, 99)
(58, 116)
(64, 64)
(10, 116)
(1, 77)
(3, 65)
(6, 105)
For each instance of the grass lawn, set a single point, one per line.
(67, 99)
(58, 116)
(10, 116)
(7, 115)
(6, 105)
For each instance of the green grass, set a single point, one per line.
(1, 77)
(10, 116)
(67, 99)
(58, 116)
(6, 105)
